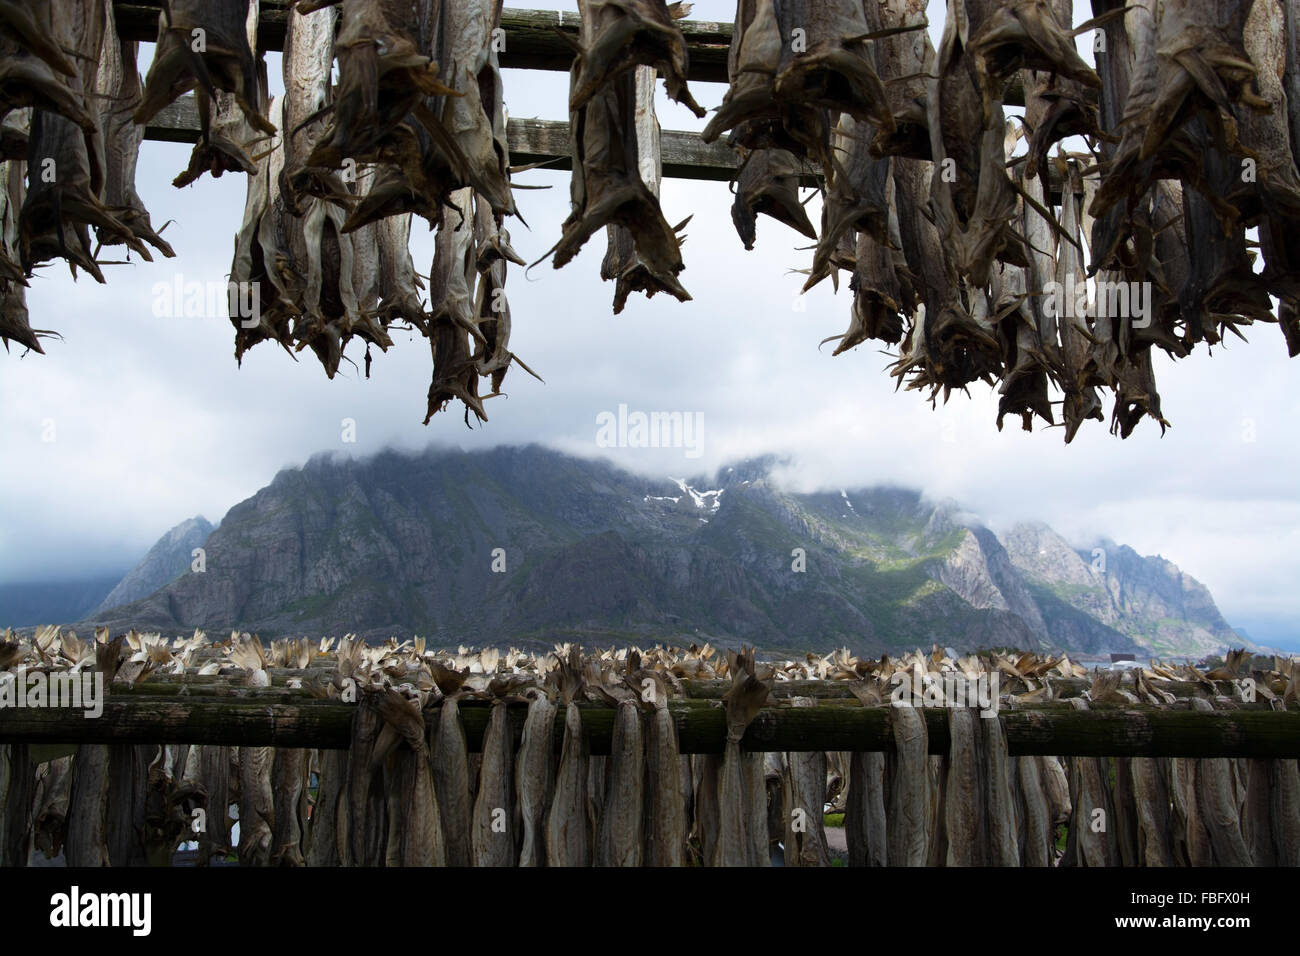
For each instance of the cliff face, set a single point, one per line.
(169, 558)
(1149, 599)
(520, 545)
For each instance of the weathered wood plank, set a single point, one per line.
(684, 154)
(1131, 732)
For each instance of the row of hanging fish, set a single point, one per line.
(408, 791)
(958, 252)
(414, 124)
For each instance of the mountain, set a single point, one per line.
(1149, 599)
(167, 559)
(28, 603)
(523, 545)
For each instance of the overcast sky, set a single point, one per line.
(153, 422)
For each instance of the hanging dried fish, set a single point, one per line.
(493, 842)
(451, 322)
(367, 803)
(617, 35)
(50, 817)
(667, 823)
(622, 263)
(1091, 839)
(535, 776)
(414, 827)
(1152, 804)
(203, 45)
(262, 312)
(743, 700)
(612, 136)
(768, 183)
(35, 70)
(451, 781)
(327, 830)
(118, 84)
(907, 772)
(620, 838)
(16, 805)
(389, 107)
(789, 61)
(804, 799)
(66, 163)
(87, 839)
(1218, 806)
(568, 830)
(256, 764)
(290, 782)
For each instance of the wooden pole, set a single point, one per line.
(1128, 732)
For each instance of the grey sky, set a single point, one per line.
(154, 422)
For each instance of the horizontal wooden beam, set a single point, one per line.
(683, 154)
(1131, 732)
(534, 39)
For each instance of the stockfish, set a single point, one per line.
(743, 700)
(117, 85)
(451, 781)
(907, 771)
(203, 46)
(493, 842)
(804, 800)
(414, 835)
(568, 828)
(535, 776)
(620, 837)
(87, 838)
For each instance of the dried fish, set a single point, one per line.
(568, 829)
(620, 837)
(534, 777)
(768, 183)
(327, 832)
(804, 799)
(493, 842)
(622, 263)
(118, 83)
(414, 826)
(366, 802)
(290, 782)
(50, 816)
(1152, 802)
(617, 35)
(609, 185)
(66, 163)
(1217, 805)
(667, 822)
(451, 321)
(743, 700)
(451, 781)
(907, 771)
(203, 46)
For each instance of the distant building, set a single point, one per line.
(1117, 658)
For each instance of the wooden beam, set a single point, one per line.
(533, 39)
(1131, 732)
(683, 154)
